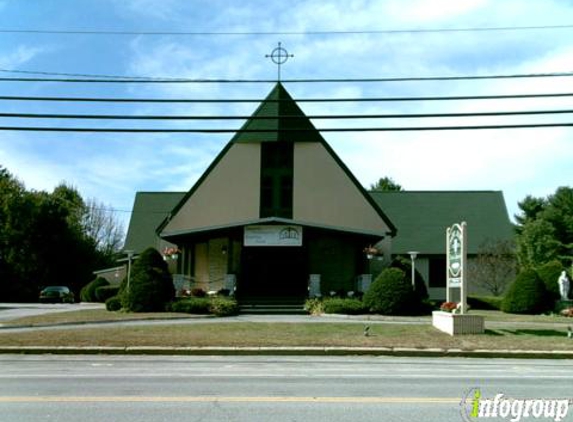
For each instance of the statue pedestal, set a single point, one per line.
(454, 324)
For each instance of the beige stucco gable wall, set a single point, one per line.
(326, 196)
(229, 194)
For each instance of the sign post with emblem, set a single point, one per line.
(457, 321)
(456, 247)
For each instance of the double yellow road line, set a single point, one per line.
(226, 399)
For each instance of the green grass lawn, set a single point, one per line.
(234, 334)
(499, 316)
(531, 332)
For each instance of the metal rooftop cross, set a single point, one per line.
(279, 56)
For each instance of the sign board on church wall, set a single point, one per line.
(273, 235)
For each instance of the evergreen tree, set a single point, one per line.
(150, 287)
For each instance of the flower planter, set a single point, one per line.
(455, 324)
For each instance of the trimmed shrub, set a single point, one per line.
(314, 306)
(151, 285)
(194, 305)
(218, 306)
(88, 292)
(344, 306)
(113, 304)
(103, 293)
(549, 273)
(405, 265)
(489, 303)
(223, 306)
(527, 295)
(391, 294)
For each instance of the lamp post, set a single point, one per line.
(413, 256)
(130, 254)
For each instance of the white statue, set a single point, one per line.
(564, 285)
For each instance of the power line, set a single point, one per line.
(307, 80)
(81, 75)
(88, 77)
(216, 131)
(323, 32)
(317, 117)
(299, 100)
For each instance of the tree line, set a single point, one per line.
(51, 238)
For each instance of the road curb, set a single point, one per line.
(290, 351)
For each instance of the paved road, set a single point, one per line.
(147, 388)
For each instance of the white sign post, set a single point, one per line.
(451, 322)
(456, 247)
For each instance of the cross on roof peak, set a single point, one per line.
(279, 56)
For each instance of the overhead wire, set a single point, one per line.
(152, 80)
(315, 32)
(294, 130)
(299, 100)
(286, 117)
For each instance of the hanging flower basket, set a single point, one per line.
(372, 252)
(171, 253)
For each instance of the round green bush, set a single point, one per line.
(391, 294)
(103, 293)
(151, 285)
(405, 265)
(88, 292)
(223, 306)
(549, 273)
(347, 306)
(195, 305)
(113, 304)
(526, 295)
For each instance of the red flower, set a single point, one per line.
(448, 306)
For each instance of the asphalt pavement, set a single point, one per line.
(239, 388)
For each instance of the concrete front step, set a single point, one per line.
(272, 306)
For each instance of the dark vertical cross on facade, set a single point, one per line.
(279, 56)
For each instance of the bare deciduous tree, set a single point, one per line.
(101, 226)
(495, 266)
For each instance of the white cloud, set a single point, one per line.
(19, 56)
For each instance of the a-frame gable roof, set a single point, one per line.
(278, 119)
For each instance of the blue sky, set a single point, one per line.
(112, 167)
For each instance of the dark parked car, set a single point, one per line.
(53, 294)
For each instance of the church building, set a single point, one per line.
(279, 215)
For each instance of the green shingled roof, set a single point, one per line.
(276, 113)
(422, 218)
(149, 210)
